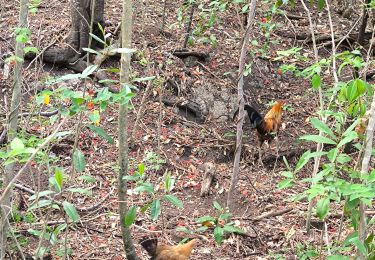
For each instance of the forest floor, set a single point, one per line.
(170, 140)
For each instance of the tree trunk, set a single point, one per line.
(126, 35)
(12, 128)
(79, 35)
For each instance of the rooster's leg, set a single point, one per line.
(260, 162)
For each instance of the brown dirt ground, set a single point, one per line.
(185, 145)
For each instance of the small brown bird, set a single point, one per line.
(267, 126)
(165, 252)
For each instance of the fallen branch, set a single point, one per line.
(272, 214)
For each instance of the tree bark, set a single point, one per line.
(362, 232)
(12, 128)
(126, 37)
(79, 35)
(242, 61)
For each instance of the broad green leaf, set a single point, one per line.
(80, 190)
(168, 182)
(218, 234)
(59, 177)
(360, 246)
(201, 229)
(302, 160)
(317, 139)
(141, 169)
(148, 187)
(287, 183)
(130, 177)
(17, 144)
(130, 216)
(40, 204)
(71, 211)
(87, 178)
(287, 174)
(350, 136)
(174, 200)
(97, 38)
(351, 127)
(316, 81)
(89, 70)
(205, 219)
(322, 127)
(54, 184)
(79, 162)
(183, 229)
(101, 132)
(332, 154)
(41, 194)
(224, 216)
(233, 229)
(155, 209)
(322, 208)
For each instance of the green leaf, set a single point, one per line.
(224, 216)
(332, 154)
(41, 194)
(17, 144)
(101, 132)
(141, 169)
(303, 160)
(59, 177)
(351, 127)
(287, 183)
(201, 229)
(143, 79)
(79, 162)
(71, 211)
(130, 216)
(155, 209)
(217, 206)
(218, 234)
(317, 139)
(89, 70)
(350, 136)
(183, 229)
(322, 127)
(205, 219)
(174, 200)
(322, 208)
(130, 177)
(40, 204)
(233, 229)
(87, 178)
(168, 182)
(148, 187)
(80, 190)
(91, 51)
(337, 257)
(360, 246)
(320, 4)
(97, 38)
(316, 81)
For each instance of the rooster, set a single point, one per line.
(165, 252)
(267, 126)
